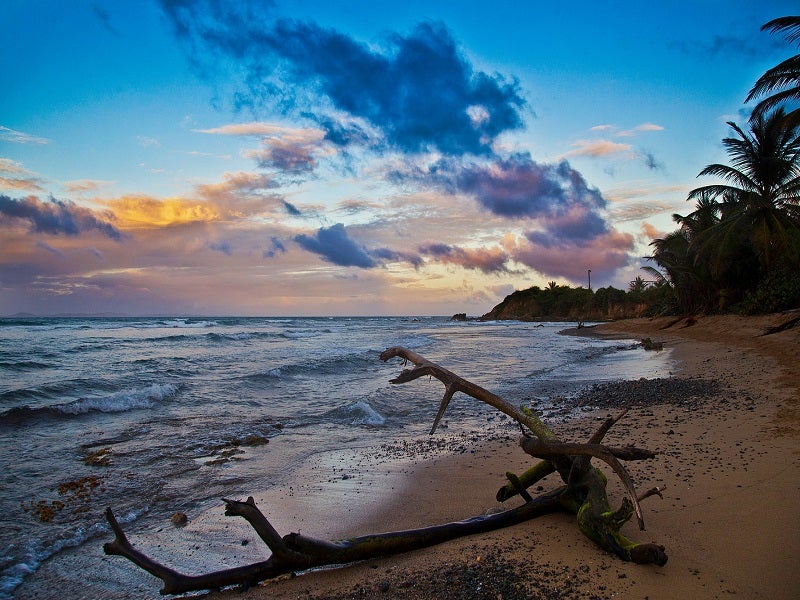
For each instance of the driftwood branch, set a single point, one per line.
(583, 493)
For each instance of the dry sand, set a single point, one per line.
(729, 517)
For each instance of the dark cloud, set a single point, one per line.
(291, 208)
(419, 90)
(275, 246)
(519, 187)
(334, 245)
(224, 247)
(557, 196)
(395, 256)
(56, 217)
(651, 161)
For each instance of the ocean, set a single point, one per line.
(143, 413)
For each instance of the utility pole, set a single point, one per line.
(590, 279)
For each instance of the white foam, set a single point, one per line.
(120, 401)
(363, 414)
(36, 554)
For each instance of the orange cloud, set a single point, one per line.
(652, 232)
(143, 211)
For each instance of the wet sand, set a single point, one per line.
(729, 458)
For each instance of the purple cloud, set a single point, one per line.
(56, 217)
(488, 260)
(275, 246)
(334, 245)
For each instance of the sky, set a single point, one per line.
(323, 157)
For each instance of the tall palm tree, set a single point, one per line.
(759, 201)
(784, 76)
(689, 279)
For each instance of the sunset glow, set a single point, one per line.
(320, 158)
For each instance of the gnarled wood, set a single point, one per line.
(583, 494)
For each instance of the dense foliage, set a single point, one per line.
(565, 303)
(740, 248)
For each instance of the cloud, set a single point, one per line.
(18, 137)
(55, 217)
(223, 247)
(730, 45)
(395, 256)
(275, 246)
(651, 232)
(599, 148)
(144, 211)
(104, 18)
(240, 194)
(639, 129)
(488, 260)
(148, 142)
(85, 185)
(608, 149)
(565, 218)
(418, 90)
(651, 161)
(95, 252)
(235, 184)
(13, 176)
(334, 245)
(49, 248)
(291, 209)
(286, 149)
(513, 187)
(553, 257)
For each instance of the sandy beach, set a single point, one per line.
(727, 429)
(728, 518)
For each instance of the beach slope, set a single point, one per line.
(729, 458)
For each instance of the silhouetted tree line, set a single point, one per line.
(565, 303)
(739, 250)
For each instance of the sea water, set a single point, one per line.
(140, 413)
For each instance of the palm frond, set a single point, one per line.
(789, 26)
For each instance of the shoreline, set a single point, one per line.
(728, 518)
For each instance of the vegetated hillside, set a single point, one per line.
(564, 303)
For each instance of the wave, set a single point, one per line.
(186, 323)
(23, 365)
(357, 413)
(37, 552)
(117, 402)
(334, 365)
(415, 341)
(304, 333)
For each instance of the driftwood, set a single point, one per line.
(583, 493)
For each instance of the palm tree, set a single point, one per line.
(759, 202)
(692, 286)
(784, 76)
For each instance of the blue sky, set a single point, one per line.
(328, 158)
